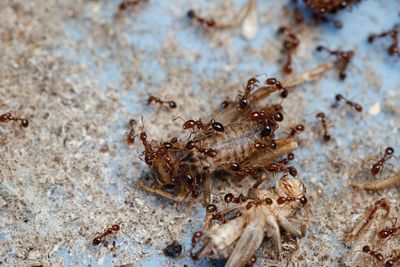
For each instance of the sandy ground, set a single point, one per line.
(78, 71)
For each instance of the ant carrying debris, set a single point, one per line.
(321, 116)
(289, 46)
(343, 58)
(357, 107)
(155, 100)
(8, 117)
(101, 238)
(393, 49)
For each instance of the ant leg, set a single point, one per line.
(177, 198)
(380, 184)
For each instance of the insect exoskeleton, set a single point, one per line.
(241, 230)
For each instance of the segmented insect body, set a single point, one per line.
(238, 237)
(240, 141)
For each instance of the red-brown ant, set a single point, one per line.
(153, 100)
(393, 49)
(128, 3)
(321, 116)
(130, 138)
(378, 167)
(111, 230)
(389, 232)
(289, 45)
(192, 124)
(278, 167)
(391, 261)
(343, 59)
(297, 129)
(8, 117)
(278, 85)
(282, 200)
(357, 107)
(209, 23)
(285, 161)
(377, 255)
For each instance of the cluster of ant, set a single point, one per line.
(382, 235)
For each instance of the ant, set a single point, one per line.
(153, 100)
(289, 45)
(282, 200)
(297, 129)
(289, 157)
(209, 23)
(243, 99)
(378, 256)
(8, 117)
(230, 198)
(357, 107)
(111, 230)
(278, 167)
(391, 261)
(278, 85)
(389, 232)
(192, 124)
(321, 116)
(343, 59)
(130, 138)
(378, 167)
(393, 49)
(128, 3)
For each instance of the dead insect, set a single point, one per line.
(8, 117)
(289, 45)
(188, 167)
(357, 107)
(343, 58)
(100, 238)
(393, 49)
(241, 227)
(155, 100)
(321, 116)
